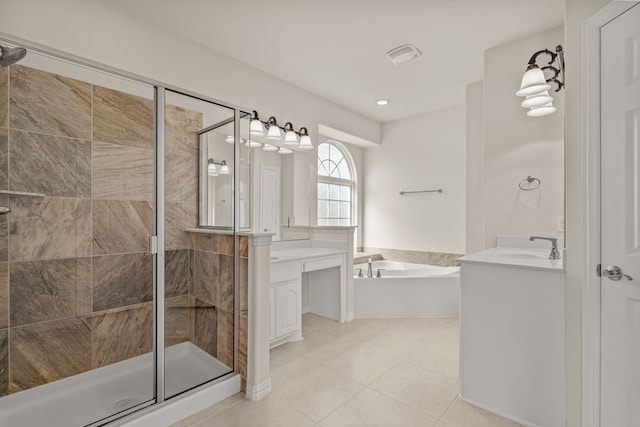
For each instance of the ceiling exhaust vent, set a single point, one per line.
(403, 54)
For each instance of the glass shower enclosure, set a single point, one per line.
(108, 305)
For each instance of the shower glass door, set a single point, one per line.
(76, 273)
(199, 165)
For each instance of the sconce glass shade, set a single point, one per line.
(544, 110)
(284, 151)
(253, 144)
(274, 131)
(255, 126)
(224, 168)
(305, 140)
(537, 100)
(290, 138)
(230, 139)
(212, 169)
(269, 147)
(533, 82)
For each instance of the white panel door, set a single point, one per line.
(270, 200)
(620, 210)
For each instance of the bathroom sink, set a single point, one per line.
(521, 255)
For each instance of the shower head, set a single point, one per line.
(11, 55)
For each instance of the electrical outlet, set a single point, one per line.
(561, 224)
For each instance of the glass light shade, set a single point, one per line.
(230, 139)
(533, 82)
(253, 144)
(269, 147)
(544, 110)
(290, 138)
(305, 143)
(224, 168)
(284, 151)
(274, 132)
(256, 127)
(212, 170)
(538, 100)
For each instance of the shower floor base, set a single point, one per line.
(91, 396)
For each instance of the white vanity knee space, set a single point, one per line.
(327, 267)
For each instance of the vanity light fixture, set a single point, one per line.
(214, 168)
(284, 150)
(535, 85)
(274, 133)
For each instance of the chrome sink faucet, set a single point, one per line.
(554, 245)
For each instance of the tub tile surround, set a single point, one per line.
(418, 257)
(121, 226)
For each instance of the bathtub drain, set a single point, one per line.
(124, 404)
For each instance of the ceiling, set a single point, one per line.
(336, 48)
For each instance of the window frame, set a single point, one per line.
(351, 183)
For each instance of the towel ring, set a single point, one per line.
(529, 182)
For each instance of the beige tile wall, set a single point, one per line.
(79, 292)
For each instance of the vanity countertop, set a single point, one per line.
(516, 257)
(303, 253)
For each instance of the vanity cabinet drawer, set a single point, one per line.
(322, 263)
(284, 272)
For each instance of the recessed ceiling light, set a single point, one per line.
(382, 102)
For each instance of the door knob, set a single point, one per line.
(614, 273)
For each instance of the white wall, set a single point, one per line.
(419, 153)
(517, 146)
(91, 29)
(475, 167)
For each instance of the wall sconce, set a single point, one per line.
(274, 133)
(215, 169)
(535, 85)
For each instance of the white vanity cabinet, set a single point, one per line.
(285, 295)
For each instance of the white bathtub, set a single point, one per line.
(406, 290)
(82, 399)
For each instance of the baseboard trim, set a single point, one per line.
(350, 316)
(259, 391)
(500, 413)
(306, 309)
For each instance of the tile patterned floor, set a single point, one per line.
(368, 372)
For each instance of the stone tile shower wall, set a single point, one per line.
(75, 271)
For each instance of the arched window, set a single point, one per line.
(336, 185)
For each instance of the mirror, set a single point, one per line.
(274, 187)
